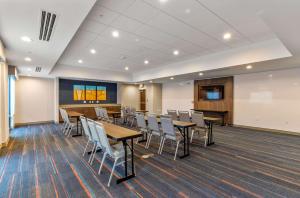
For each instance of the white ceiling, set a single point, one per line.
(148, 30)
(160, 29)
(22, 18)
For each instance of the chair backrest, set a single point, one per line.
(66, 116)
(61, 111)
(92, 127)
(173, 113)
(167, 126)
(104, 113)
(132, 110)
(198, 118)
(86, 128)
(152, 122)
(103, 138)
(141, 122)
(184, 116)
(97, 111)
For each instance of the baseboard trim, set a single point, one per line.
(34, 123)
(4, 144)
(269, 130)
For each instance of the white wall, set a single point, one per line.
(268, 100)
(4, 129)
(178, 96)
(129, 95)
(35, 100)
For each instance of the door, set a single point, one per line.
(143, 99)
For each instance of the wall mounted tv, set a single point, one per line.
(215, 92)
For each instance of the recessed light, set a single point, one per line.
(187, 11)
(126, 68)
(200, 74)
(227, 36)
(28, 59)
(150, 81)
(93, 51)
(146, 62)
(249, 67)
(137, 40)
(115, 33)
(163, 1)
(175, 52)
(270, 75)
(172, 78)
(26, 39)
(29, 69)
(80, 61)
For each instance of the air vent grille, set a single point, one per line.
(38, 69)
(47, 24)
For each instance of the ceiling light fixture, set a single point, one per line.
(115, 34)
(28, 59)
(126, 68)
(172, 78)
(26, 39)
(249, 67)
(187, 11)
(146, 62)
(163, 1)
(150, 81)
(80, 61)
(175, 52)
(227, 36)
(200, 74)
(29, 69)
(93, 51)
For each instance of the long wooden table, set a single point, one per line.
(74, 114)
(119, 133)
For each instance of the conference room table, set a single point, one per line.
(74, 114)
(122, 134)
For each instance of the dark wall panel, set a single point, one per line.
(66, 92)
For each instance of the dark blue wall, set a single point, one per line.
(66, 92)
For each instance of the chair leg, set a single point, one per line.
(192, 136)
(162, 145)
(112, 172)
(161, 139)
(94, 154)
(102, 162)
(148, 141)
(90, 158)
(70, 131)
(87, 143)
(176, 149)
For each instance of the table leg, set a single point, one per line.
(186, 149)
(210, 135)
(77, 134)
(127, 177)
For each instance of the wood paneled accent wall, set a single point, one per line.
(225, 104)
(89, 109)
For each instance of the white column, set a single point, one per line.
(4, 129)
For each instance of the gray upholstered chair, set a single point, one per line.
(184, 116)
(141, 124)
(200, 128)
(87, 132)
(169, 133)
(153, 128)
(96, 139)
(173, 114)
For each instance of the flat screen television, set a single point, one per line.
(212, 92)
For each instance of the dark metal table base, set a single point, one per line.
(77, 134)
(186, 142)
(126, 176)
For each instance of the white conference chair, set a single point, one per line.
(116, 152)
(69, 125)
(64, 125)
(201, 127)
(169, 133)
(96, 139)
(105, 116)
(98, 113)
(87, 132)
